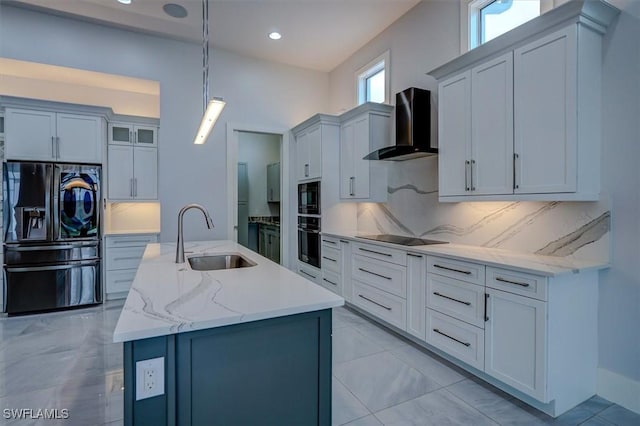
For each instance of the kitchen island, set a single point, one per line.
(250, 345)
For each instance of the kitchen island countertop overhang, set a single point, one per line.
(169, 298)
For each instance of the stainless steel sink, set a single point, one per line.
(219, 261)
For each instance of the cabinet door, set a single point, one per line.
(360, 149)
(302, 156)
(120, 133)
(275, 247)
(243, 183)
(454, 127)
(146, 135)
(515, 342)
(492, 127)
(79, 138)
(120, 169)
(315, 153)
(545, 82)
(145, 167)
(275, 182)
(347, 141)
(30, 135)
(416, 300)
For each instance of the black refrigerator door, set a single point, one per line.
(27, 202)
(76, 202)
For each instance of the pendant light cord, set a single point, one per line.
(205, 54)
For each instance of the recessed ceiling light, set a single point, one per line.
(124, 1)
(174, 10)
(275, 35)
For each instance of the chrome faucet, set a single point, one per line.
(180, 244)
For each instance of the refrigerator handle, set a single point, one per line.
(51, 200)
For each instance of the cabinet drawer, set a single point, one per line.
(534, 286)
(309, 272)
(330, 242)
(381, 253)
(385, 276)
(331, 259)
(459, 299)
(457, 338)
(119, 281)
(124, 258)
(130, 240)
(332, 281)
(383, 305)
(458, 269)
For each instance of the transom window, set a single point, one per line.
(489, 19)
(372, 81)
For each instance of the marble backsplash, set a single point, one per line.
(576, 229)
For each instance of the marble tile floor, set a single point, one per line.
(67, 360)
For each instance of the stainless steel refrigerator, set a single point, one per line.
(51, 236)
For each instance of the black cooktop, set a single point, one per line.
(399, 239)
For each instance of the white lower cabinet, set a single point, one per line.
(457, 338)
(336, 265)
(516, 342)
(416, 287)
(385, 306)
(309, 272)
(122, 257)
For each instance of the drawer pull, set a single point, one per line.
(503, 280)
(373, 273)
(330, 282)
(375, 252)
(451, 298)
(328, 258)
(122, 281)
(486, 298)
(307, 274)
(452, 338)
(329, 241)
(344, 241)
(435, 265)
(374, 302)
(115, 259)
(414, 255)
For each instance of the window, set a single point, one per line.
(490, 18)
(372, 81)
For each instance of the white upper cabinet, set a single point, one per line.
(309, 153)
(50, 136)
(362, 130)
(273, 183)
(519, 117)
(545, 114)
(128, 133)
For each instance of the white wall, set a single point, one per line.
(258, 150)
(428, 36)
(257, 92)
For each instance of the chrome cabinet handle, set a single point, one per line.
(131, 187)
(515, 161)
(330, 282)
(503, 280)
(53, 146)
(486, 298)
(467, 187)
(452, 338)
(344, 241)
(451, 298)
(135, 186)
(328, 258)
(373, 251)
(307, 274)
(373, 273)
(435, 265)
(306, 170)
(131, 136)
(374, 302)
(352, 180)
(473, 188)
(414, 255)
(329, 241)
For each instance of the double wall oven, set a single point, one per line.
(309, 223)
(51, 236)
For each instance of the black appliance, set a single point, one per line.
(51, 236)
(309, 198)
(413, 128)
(402, 240)
(309, 240)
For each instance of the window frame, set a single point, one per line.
(373, 67)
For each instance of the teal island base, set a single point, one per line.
(270, 372)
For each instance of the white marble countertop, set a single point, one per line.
(531, 263)
(168, 298)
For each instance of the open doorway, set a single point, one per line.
(258, 193)
(242, 147)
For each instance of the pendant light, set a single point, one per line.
(211, 108)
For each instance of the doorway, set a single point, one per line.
(258, 203)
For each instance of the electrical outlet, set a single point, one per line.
(149, 378)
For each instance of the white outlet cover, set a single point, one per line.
(157, 365)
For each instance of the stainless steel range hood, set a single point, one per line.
(413, 128)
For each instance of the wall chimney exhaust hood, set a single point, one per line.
(413, 128)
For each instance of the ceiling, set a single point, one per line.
(316, 34)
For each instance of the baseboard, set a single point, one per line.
(619, 389)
